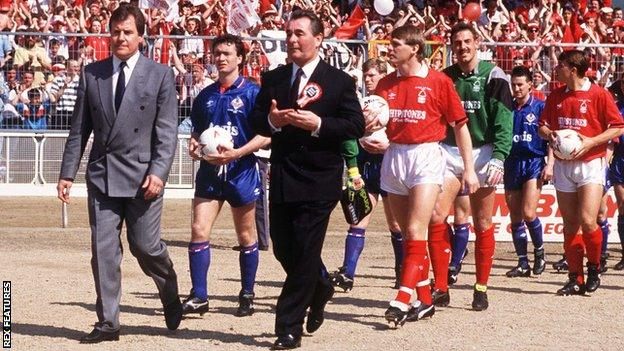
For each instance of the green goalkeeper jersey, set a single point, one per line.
(486, 96)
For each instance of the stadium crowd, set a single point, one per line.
(41, 72)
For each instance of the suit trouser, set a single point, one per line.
(142, 218)
(298, 231)
(262, 204)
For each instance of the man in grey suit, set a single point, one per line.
(129, 103)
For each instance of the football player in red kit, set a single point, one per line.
(422, 102)
(591, 111)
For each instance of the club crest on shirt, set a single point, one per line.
(583, 106)
(237, 103)
(476, 86)
(531, 118)
(422, 96)
(392, 96)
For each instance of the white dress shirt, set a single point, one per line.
(307, 69)
(130, 64)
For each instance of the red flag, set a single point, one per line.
(350, 27)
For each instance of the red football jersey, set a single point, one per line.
(420, 106)
(589, 111)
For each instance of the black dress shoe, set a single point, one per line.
(287, 342)
(315, 316)
(173, 314)
(98, 335)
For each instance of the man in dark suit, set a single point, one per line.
(308, 108)
(129, 103)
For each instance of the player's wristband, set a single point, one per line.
(353, 172)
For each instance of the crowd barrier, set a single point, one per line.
(28, 157)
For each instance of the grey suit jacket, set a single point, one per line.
(139, 140)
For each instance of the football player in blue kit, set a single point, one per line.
(525, 170)
(231, 175)
(617, 168)
(369, 160)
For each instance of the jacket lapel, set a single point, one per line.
(105, 87)
(135, 85)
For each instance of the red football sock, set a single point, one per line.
(574, 249)
(423, 287)
(412, 270)
(593, 245)
(440, 251)
(484, 254)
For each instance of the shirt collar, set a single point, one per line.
(529, 102)
(585, 87)
(131, 62)
(423, 71)
(308, 68)
(237, 84)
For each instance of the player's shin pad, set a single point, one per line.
(355, 204)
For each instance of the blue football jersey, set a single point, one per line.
(526, 141)
(229, 109)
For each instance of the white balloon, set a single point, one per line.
(383, 7)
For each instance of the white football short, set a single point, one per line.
(407, 165)
(568, 176)
(455, 163)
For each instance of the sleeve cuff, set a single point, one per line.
(274, 129)
(315, 133)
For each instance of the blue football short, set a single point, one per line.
(370, 167)
(616, 170)
(237, 189)
(520, 170)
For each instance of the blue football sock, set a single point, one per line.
(621, 230)
(248, 259)
(199, 261)
(354, 244)
(604, 227)
(397, 247)
(520, 241)
(459, 243)
(537, 235)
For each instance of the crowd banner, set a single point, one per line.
(242, 15)
(170, 7)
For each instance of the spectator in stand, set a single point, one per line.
(99, 44)
(6, 50)
(34, 56)
(192, 45)
(36, 113)
(59, 26)
(20, 92)
(63, 93)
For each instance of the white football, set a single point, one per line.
(377, 136)
(566, 143)
(378, 107)
(213, 138)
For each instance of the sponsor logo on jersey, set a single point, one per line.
(408, 115)
(471, 106)
(528, 137)
(571, 123)
(228, 126)
(210, 103)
